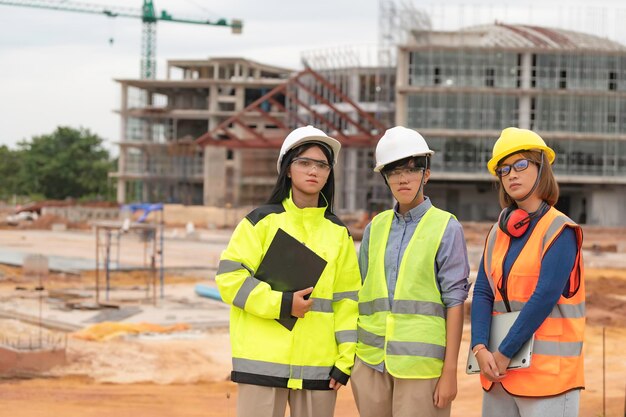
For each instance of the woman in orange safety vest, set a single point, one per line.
(532, 263)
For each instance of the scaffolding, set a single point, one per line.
(307, 97)
(459, 74)
(109, 236)
(367, 75)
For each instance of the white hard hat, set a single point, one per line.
(307, 134)
(398, 143)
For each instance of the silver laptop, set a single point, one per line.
(500, 325)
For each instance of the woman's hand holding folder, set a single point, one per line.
(301, 305)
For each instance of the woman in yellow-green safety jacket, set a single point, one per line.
(304, 366)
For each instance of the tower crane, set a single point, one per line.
(147, 14)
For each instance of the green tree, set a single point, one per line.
(67, 163)
(9, 167)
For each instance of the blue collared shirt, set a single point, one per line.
(451, 264)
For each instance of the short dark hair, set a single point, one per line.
(422, 161)
(283, 182)
(547, 189)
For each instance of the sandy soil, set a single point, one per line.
(74, 396)
(187, 374)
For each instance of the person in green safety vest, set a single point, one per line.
(414, 268)
(304, 365)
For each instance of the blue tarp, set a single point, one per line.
(146, 207)
(209, 292)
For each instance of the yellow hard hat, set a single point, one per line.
(514, 140)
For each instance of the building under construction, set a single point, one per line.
(161, 119)
(459, 88)
(348, 99)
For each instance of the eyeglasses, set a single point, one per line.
(305, 164)
(519, 166)
(410, 174)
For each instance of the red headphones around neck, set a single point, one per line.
(514, 221)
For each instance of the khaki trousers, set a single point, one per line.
(379, 394)
(259, 401)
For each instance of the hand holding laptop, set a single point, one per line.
(497, 363)
(488, 366)
(502, 362)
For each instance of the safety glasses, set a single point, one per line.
(519, 166)
(410, 174)
(305, 164)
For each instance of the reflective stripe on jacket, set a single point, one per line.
(557, 361)
(321, 344)
(409, 336)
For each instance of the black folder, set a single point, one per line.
(288, 265)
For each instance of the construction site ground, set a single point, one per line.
(185, 372)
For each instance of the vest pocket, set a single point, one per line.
(550, 327)
(415, 346)
(416, 328)
(521, 287)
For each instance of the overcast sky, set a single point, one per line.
(57, 68)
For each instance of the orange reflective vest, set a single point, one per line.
(557, 361)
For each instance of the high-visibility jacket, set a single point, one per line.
(409, 336)
(322, 344)
(557, 360)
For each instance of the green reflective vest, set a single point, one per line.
(409, 336)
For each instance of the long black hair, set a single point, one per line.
(283, 183)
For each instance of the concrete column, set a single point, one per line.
(121, 163)
(350, 181)
(214, 176)
(212, 101)
(402, 70)
(402, 80)
(145, 192)
(121, 183)
(525, 99)
(236, 177)
(353, 86)
(240, 98)
(604, 206)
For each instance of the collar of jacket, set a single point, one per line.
(291, 207)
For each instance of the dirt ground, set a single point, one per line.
(187, 374)
(73, 396)
(188, 377)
